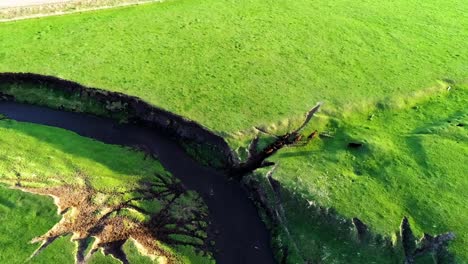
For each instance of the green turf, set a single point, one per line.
(234, 64)
(37, 153)
(39, 156)
(24, 216)
(412, 163)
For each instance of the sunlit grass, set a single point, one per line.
(233, 65)
(412, 163)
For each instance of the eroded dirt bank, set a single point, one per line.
(133, 108)
(241, 236)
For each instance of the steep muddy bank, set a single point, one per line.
(202, 143)
(241, 236)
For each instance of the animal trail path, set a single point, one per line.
(22, 3)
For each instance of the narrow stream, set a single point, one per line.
(243, 237)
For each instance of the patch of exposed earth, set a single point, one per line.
(18, 3)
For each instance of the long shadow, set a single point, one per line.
(6, 203)
(413, 141)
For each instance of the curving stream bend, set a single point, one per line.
(242, 238)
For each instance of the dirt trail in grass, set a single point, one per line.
(12, 10)
(242, 236)
(18, 3)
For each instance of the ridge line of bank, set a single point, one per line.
(136, 110)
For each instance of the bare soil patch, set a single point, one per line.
(88, 214)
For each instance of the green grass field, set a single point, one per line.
(36, 159)
(382, 69)
(204, 59)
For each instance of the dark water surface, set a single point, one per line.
(242, 238)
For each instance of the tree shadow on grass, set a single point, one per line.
(180, 216)
(173, 216)
(6, 203)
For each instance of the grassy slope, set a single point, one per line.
(38, 153)
(413, 164)
(203, 59)
(45, 156)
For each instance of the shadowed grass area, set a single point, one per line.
(50, 161)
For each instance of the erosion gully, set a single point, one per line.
(241, 236)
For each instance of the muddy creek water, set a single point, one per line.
(241, 235)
